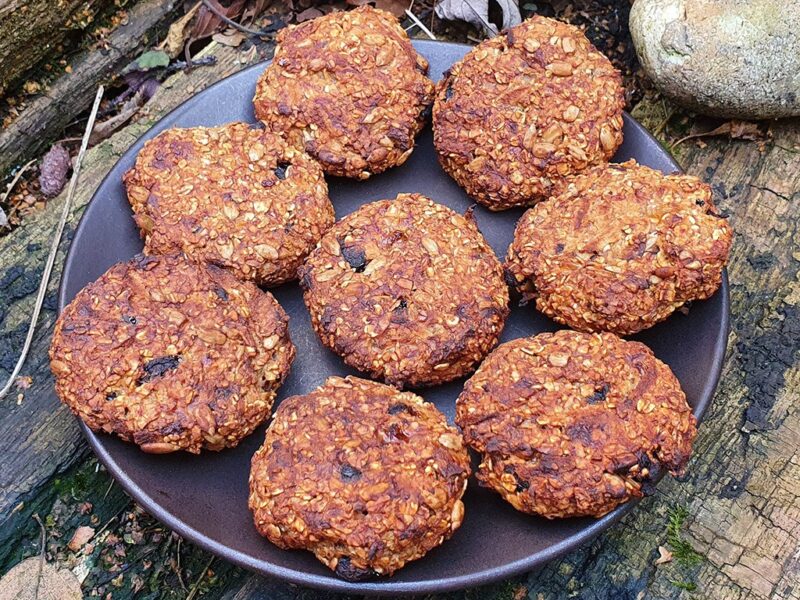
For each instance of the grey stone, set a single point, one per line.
(725, 58)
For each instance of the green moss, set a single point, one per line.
(682, 551)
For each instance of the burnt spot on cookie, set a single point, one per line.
(281, 170)
(349, 473)
(346, 570)
(599, 394)
(158, 367)
(355, 257)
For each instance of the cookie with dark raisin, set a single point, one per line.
(171, 355)
(574, 424)
(364, 476)
(406, 290)
(234, 196)
(349, 88)
(620, 249)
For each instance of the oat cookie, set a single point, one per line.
(523, 110)
(171, 355)
(364, 476)
(349, 88)
(574, 424)
(620, 249)
(234, 196)
(406, 290)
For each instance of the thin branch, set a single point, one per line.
(197, 583)
(228, 21)
(419, 24)
(17, 177)
(41, 555)
(48, 268)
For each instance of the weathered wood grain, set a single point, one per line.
(741, 491)
(32, 29)
(47, 115)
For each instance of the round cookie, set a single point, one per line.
(366, 477)
(234, 196)
(349, 88)
(523, 110)
(574, 424)
(406, 290)
(620, 249)
(171, 355)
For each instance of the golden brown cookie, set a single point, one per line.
(171, 355)
(523, 110)
(620, 249)
(364, 476)
(574, 424)
(234, 196)
(349, 88)
(406, 290)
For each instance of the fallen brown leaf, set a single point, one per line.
(736, 130)
(308, 14)
(664, 556)
(34, 579)
(396, 7)
(178, 34)
(23, 383)
(229, 37)
(82, 535)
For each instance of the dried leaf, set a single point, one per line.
(53, 171)
(664, 556)
(82, 535)
(396, 7)
(308, 14)
(24, 383)
(736, 130)
(27, 582)
(476, 12)
(178, 32)
(230, 37)
(207, 22)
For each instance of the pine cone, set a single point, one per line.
(53, 172)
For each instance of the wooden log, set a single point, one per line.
(740, 496)
(47, 115)
(30, 30)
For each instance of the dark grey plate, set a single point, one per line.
(204, 498)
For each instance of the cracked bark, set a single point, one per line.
(741, 490)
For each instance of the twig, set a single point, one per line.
(419, 24)
(41, 555)
(177, 568)
(228, 21)
(48, 268)
(657, 131)
(197, 583)
(17, 177)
